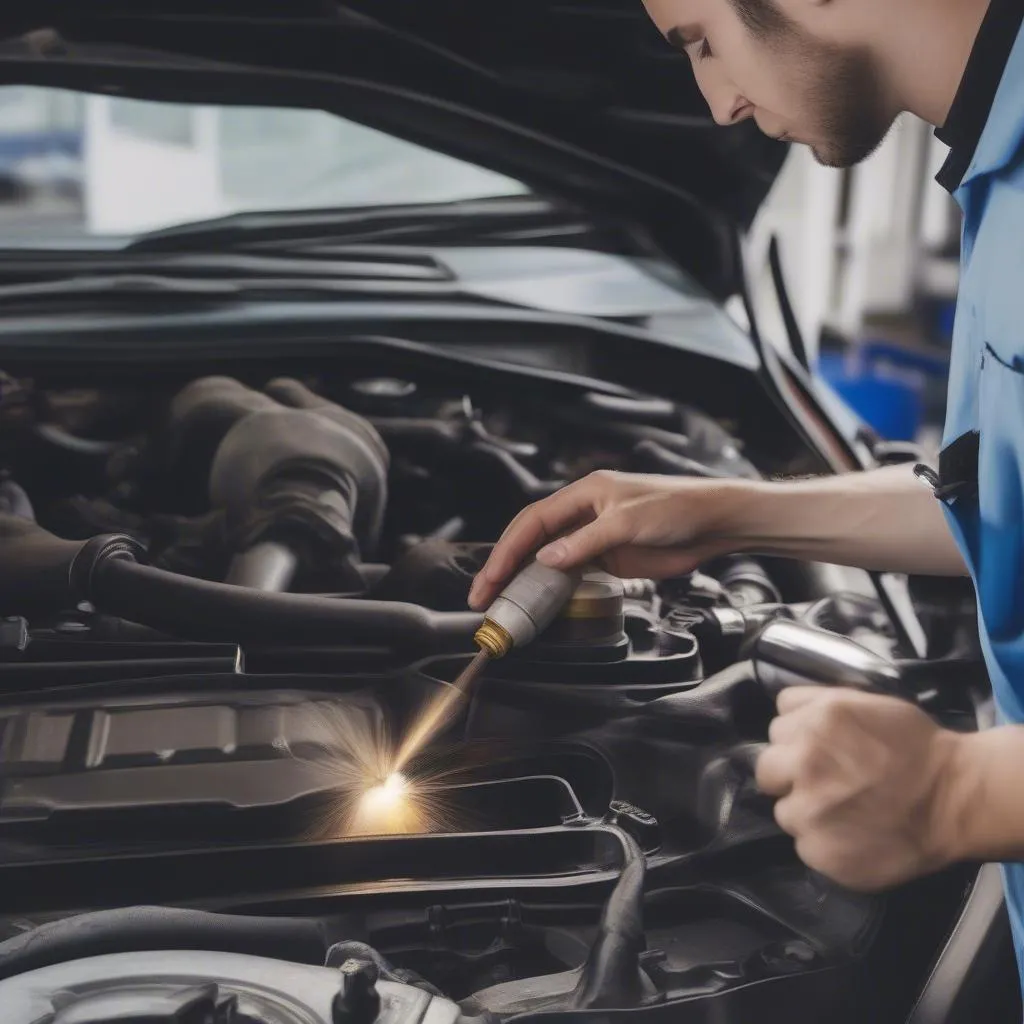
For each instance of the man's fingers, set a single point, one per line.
(587, 543)
(776, 768)
(793, 698)
(789, 815)
(532, 527)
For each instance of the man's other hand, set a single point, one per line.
(865, 784)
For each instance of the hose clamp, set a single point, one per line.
(94, 553)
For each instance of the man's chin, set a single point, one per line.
(843, 157)
(830, 158)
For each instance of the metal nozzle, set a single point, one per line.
(494, 639)
(526, 607)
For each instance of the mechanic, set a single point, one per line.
(873, 790)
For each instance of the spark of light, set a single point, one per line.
(389, 808)
(356, 761)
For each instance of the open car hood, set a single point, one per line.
(553, 91)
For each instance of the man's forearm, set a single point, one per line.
(980, 811)
(883, 519)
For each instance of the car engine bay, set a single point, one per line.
(225, 600)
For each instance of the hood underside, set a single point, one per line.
(584, 93)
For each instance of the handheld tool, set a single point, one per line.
(525, 608)
(522, 611)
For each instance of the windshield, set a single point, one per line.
(74, 165)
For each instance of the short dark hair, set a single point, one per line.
(762, 17)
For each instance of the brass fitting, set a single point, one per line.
(493, 638)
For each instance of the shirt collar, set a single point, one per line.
(976, 94)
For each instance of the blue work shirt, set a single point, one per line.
(986, 396)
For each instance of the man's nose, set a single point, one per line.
(727, 104)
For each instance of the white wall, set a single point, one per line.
(801, 210)
(844, 262)
(133, 183)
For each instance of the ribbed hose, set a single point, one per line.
(197, 609)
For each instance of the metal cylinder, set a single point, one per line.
(795, 654)
(530, 603)
(594, 613)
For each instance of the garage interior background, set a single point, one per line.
(870, 254)
(872, 259)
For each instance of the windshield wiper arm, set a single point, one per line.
(109, 286)
(21, 267)
(367, 224)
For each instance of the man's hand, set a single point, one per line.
(630, 524)
(868, 785)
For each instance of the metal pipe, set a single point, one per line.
(794, 654)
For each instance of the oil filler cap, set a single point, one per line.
(357, 1001)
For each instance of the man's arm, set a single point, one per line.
(985, 816)
(659, 526)
(884, 519)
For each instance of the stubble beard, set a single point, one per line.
(851, 114)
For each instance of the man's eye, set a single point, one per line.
(704, 51)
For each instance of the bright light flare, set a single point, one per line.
(388, 808)
(353, 757)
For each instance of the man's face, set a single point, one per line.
(797, 73)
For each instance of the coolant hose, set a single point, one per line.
(726, 705)
(130, 929)
(41, 573)
(200, 610)
(44, 574)
(611, 977)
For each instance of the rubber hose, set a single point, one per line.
(73, 445)
(724, 705)
(41, 573)
(130, 929)
(842, 612)
(611, 977)
(198, 609)
(651, 457)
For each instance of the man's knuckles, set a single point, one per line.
(786, 728)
